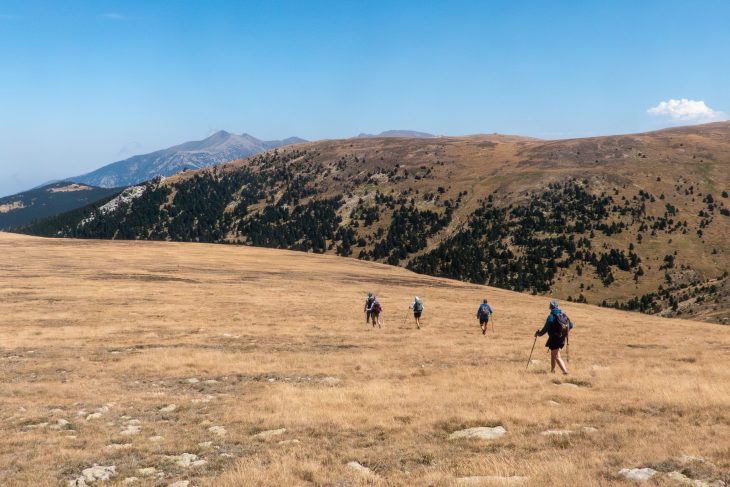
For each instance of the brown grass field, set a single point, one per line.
(99, 337)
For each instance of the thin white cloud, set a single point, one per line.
(114, 16)
(686, 111)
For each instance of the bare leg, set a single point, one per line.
(556, 358)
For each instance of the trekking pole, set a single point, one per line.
(567, 347)
(406, 317)
(533, 349)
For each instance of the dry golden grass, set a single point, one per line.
(126, 324)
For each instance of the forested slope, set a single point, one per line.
(635, 221)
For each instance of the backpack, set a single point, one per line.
(562, 325)
(418, 306)
(377, 308)
(483, 311)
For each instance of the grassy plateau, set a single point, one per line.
(228, 365)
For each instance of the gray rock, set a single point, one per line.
(481, 433)
(356, 466)
(187, 460)
(637, 474)
(169, 408)
(217, 430)
(92, 474)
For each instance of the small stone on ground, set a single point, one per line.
(356, 466)
(187, 460)
(481, 432)
(637, 474)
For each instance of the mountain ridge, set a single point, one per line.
(219, 147)
(634, 221)
(48, 200)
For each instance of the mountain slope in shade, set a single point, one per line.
(220, 147)
(23, 208)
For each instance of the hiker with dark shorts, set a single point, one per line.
(374, 312)
(483, 315)
(417, 308)
(368, 304)
(557, 326)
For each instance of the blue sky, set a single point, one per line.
(83, 84)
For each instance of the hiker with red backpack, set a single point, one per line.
(374, 310)
(557, 326)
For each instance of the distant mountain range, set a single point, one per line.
(23, 208)
(637, 221)
(220, 147)
(410, 134)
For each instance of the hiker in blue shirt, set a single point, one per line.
(483, 315)
(557, 326)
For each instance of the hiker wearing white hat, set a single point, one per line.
(417, 308)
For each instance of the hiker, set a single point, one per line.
(374, 312)
(483, 315)
(417, 308)
(368, 304)
(557, 326)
